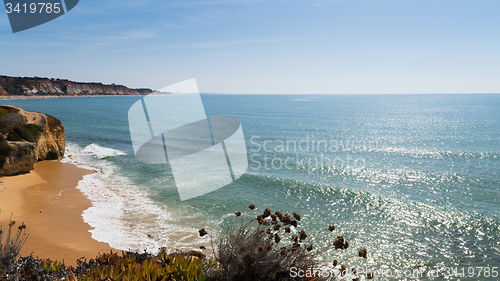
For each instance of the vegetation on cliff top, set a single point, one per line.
(28, 137)
(3, 111)
(26, 132)
(17, 86)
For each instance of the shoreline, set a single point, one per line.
(47, 97)
(48, 202)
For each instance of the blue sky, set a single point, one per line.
(268, 46)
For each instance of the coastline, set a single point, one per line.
(48, 202)
(68, 96)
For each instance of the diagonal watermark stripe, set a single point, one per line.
(171, 126)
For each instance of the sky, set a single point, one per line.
(267, 46)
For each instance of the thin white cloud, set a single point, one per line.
(131, 35)
(128, 3)
(70, 39)
(218, 2)
(203, 45)
(30, 44)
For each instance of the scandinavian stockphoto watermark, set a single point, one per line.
(309, 153)
(171, 126)
(25, 14)
(330, 274)
(441, 272)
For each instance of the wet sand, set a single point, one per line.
(47, 201)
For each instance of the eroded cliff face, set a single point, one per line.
(16, 86)
(3, 92)
(28, 137)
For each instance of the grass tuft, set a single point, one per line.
(10, 248)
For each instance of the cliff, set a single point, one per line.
(28, 137)
(35, 86)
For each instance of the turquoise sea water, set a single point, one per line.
(414, 179)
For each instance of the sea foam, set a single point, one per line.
(123, 215)
(100, 152)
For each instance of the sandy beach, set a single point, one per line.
(48, 202)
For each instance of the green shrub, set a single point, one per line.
(24, 132)
(3, 111)
(128, 268)
(12, 136)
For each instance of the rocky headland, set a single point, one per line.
(26, 138)
(36, 86)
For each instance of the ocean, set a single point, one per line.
(414, 179)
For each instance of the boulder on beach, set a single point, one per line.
(26, 138)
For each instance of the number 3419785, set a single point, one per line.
(33, 8)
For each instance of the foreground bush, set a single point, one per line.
(10, 248)
(129, 267)
(125, 267)
(266, 246)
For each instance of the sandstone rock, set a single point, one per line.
(28, 137)
(3, 92)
